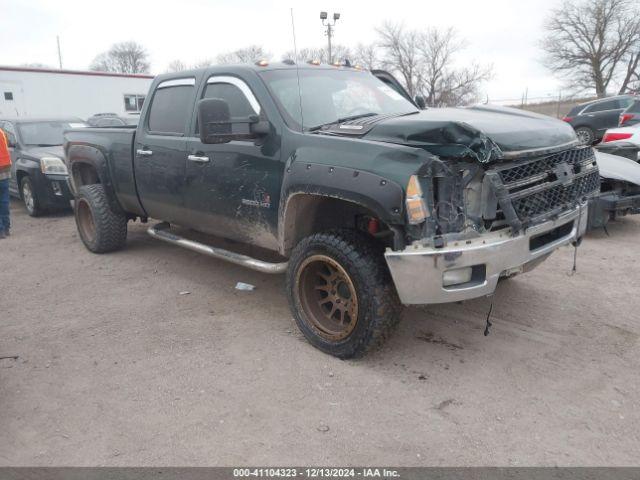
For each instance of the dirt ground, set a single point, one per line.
(115, 367)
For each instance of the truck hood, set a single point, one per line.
(615, 167)
(39, 152)
(484, 132)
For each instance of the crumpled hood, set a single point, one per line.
(485, 132)
(618, 168)
(39, 152)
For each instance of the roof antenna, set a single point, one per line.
(295, 54)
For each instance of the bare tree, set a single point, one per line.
(425, 62)
(441, 83)
(177, 66)
(400, 54)
(204, 63)
(124, 57)
(250, 54)
(367, 56)
(631, 80)
(340, 54)
(588, 41)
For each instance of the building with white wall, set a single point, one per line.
(38, 92)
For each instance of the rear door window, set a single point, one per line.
(171, 107)
(603, 106)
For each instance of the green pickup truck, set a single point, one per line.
(365, 201)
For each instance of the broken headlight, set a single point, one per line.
(416, 207)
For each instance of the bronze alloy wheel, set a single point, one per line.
(85, 220)
(327, 296)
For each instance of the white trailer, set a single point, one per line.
(39, 92)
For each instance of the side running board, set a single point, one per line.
(161, 231)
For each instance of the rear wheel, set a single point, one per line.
(585, 135)
(30, 197)
(341, 294)
(101, 229)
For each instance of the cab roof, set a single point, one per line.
(257, 67)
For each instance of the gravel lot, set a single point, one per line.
(115, 367)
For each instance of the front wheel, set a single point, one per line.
(101, 229)
(30, 197)
(341, 294)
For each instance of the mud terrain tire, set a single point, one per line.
(341, 294)
(101, 229)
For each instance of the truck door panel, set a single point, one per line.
(233, 189)
(160, 150)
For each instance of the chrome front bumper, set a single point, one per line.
(418, 270)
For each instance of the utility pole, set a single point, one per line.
(59, 53)
(329, 31)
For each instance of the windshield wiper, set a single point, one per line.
(47, 144)
(342, 120)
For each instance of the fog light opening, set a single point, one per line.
(457, 276)
(56, 188)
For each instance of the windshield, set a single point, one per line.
(329, 96)
(45, 134)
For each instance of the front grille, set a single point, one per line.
(546, 185)
(522, 171)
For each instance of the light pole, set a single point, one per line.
(329, 32)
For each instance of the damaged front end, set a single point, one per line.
(489, 214)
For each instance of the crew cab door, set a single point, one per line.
(233, 189)
(160, 150)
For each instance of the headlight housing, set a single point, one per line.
(53, 166)
(416, 207)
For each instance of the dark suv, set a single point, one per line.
(590, 120)
(38, 173)
(631, 116)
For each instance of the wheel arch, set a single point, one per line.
(319, 197)
(304, 214)
(88, 166)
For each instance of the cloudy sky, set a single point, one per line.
(502, 32)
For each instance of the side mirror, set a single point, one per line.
(421, 102)
(217, 126)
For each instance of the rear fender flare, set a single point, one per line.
(87, 155)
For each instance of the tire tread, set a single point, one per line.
(111, 227)
(383, 307)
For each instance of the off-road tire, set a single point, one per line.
(101, 229)
(378, 306)
(586, 135)
(32, 204)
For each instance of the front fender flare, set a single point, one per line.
(381, 196)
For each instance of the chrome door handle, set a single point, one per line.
(144, 153)
(198, 158)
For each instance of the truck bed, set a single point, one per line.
(115, 147)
